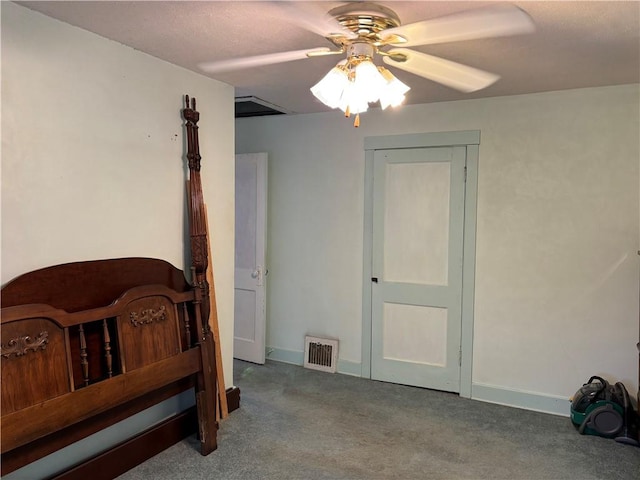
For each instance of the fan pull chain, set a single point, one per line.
(347, 113)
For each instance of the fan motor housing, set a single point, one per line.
(366, 20)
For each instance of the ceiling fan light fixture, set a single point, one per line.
(394, 92)
(353, 100)
(329, 90)
(355, 83)
(368, 81)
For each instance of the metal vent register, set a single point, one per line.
(320, 354)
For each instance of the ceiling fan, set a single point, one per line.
(362, 30)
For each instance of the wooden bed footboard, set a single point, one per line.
(74, 362)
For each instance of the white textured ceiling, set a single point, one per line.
(576, 44)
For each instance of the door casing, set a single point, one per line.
(471, 140)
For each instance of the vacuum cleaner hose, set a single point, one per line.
(629, 433)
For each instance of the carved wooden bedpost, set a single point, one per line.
(197, 226)
(206, 388)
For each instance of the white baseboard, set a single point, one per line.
(285, 356)
(521, 399)
(350, 368)
(482, 392)
(295, 357)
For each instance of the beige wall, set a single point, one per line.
(92, 154)
(557, 272)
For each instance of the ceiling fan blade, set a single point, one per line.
(312, 17)
(324, 53)
(452, 74)
(495, 21)
(260, 60)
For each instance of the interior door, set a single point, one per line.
(417, 248)
(250, 268)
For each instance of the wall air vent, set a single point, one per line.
(256, 107)
(320, 354)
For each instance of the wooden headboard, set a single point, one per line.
(98, 341)
(85, 345)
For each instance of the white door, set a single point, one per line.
(250, 268)
(418, 221)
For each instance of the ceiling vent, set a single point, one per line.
(256, 107)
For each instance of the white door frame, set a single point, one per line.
(471, 140)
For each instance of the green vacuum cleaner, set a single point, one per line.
(599, 408)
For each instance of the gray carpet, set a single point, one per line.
(300, 424)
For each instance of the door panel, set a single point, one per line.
(250, 247)
(427, 342)
(245, 308)
(418, 214)
(410, 188)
